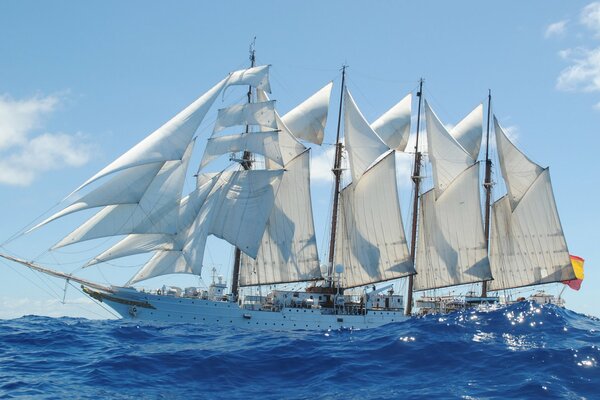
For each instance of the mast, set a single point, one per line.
(337, 171)
(246, 164)
(416, 177)
(487, 184)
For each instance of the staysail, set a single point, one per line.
(527, 243)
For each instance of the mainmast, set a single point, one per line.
(416, 177)
(337, 171)
(246, 164)
(487, 184)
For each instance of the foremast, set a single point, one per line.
(487, 185)
(337, 171)
(246, 163)
(416, 178)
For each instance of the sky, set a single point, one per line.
(82, 82)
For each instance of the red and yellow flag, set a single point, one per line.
(577, 263)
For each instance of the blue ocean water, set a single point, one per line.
(522, 351)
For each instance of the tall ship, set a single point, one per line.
(261, 205)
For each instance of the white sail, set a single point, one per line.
(155, 212)
(288, 249)
(169, 141)
(370, 239)
(261, 114)
(469, 132)
(361, 142)
(143, 243)
(257, 77)
(264, 143)
(289, 145)
(135, 244)
(518, 171)
(393, 127)
(240, 209)
(527, 243)
(127, 187)
(451, 246)
(166, 262)
(307, 120)
(448, 158)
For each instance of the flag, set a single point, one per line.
(577, 263)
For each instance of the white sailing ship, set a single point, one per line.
(263, 207)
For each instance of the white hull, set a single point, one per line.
(141, 306)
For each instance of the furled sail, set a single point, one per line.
(393, 127)
(288, 249)
(370, 239)
(261, 114)
(363, 145)
(527, 243)
(308, 119)
(451, 246)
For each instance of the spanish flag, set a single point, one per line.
(577, 263)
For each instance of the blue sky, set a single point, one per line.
(81, 82)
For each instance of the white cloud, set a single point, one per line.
(597, 106)
(19, 117)
(404, 167)
(590, 17)
(25, 155)
(320, 166)
(556, 29)
(584, 72)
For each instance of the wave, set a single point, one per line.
(521, 351)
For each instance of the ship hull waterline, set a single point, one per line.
(133, 305)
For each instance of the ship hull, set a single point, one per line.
(140, 306)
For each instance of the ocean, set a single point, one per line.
(521, 351)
